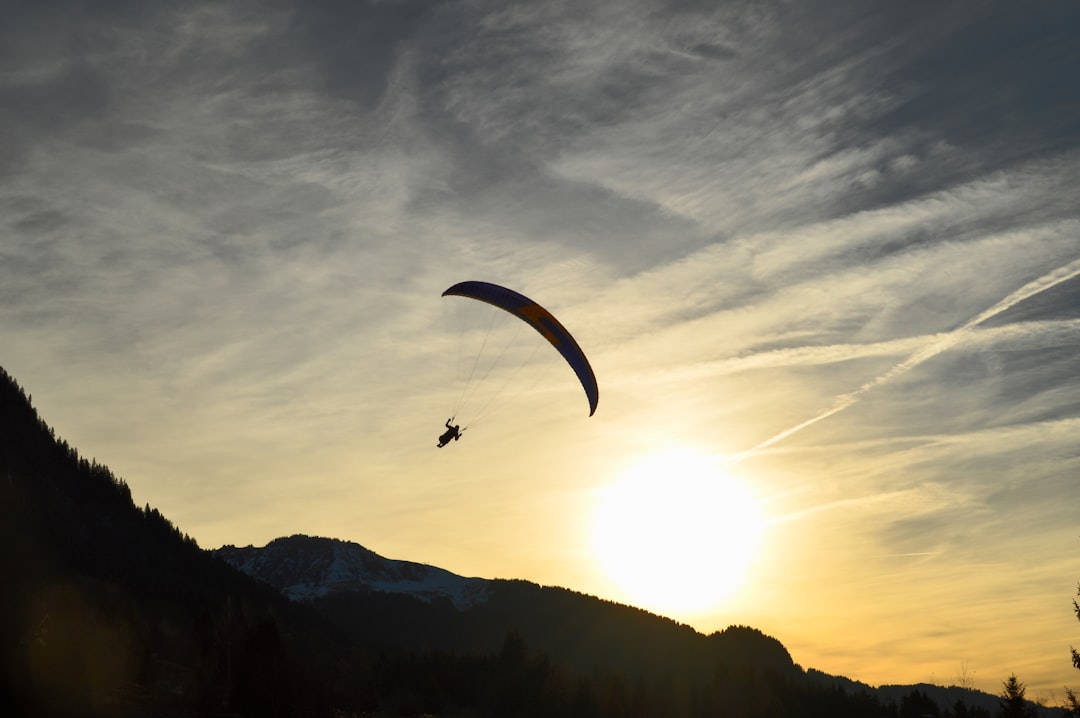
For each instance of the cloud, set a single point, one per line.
(937, 345)
(227, 228)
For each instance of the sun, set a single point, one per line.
(676, 533)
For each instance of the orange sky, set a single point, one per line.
(825, 277)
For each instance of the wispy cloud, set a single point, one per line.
(937, 345)
(841, 240)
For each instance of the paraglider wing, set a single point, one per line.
(542, 321)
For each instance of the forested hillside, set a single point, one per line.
(109, 610)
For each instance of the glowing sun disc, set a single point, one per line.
(675, 533)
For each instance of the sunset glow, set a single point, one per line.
(822, 258)
(675, 533)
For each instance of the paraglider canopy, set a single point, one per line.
(539, 319)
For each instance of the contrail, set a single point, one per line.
(938, 344)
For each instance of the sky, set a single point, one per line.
(824, 259)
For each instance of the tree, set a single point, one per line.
(1013, 703)
(916, 704)
(1076, 610)
(1072, 703)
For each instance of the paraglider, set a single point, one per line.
(539, 319)
(452, 433)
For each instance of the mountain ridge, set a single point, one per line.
(943, 697)
(305, 568)
(110, 610)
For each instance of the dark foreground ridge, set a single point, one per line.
(108, 609)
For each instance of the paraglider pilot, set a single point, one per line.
(452, 432)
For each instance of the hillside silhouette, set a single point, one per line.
(579, 631)
(107, 609)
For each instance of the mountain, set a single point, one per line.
(927, 698)
(421, 606)
(424, 607)
(108, 609)
(305, 568)
(949, 696)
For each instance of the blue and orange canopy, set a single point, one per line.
(539, 319)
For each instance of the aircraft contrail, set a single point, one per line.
(937, 344)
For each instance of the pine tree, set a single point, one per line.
(1013, 703)
(1076, 609)
(1072, 702)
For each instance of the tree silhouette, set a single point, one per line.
(1013, 703)
(1072, 702)
(917, 705)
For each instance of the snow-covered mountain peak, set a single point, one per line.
(305, 568)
